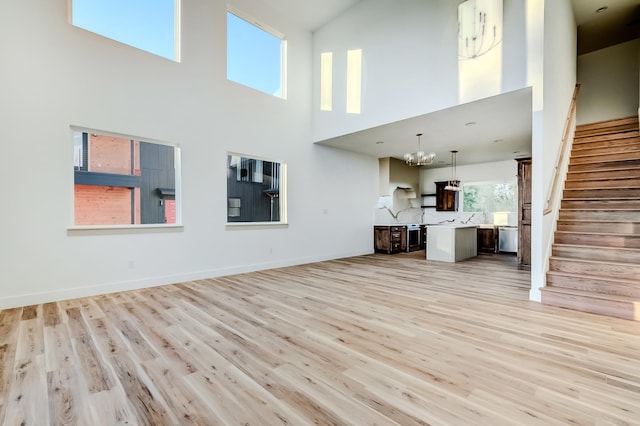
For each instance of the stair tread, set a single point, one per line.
(600, 233)
(623, 282)
(596, 261)
(599, 248)
(591, 294)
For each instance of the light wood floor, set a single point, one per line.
(368, 340)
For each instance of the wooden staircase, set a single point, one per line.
(595, 261)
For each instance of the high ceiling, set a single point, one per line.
(503, 123)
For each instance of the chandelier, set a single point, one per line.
(453, 184)
(479, 27)
(419, 158)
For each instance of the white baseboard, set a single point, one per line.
(113, 287)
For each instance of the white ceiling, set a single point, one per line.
(502, 131)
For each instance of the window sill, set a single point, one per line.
(123, 229)
(256, 225)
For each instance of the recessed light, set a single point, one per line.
(602, 9)
(470, 123)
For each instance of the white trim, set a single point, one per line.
(106, 288)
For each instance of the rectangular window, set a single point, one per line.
(354, 81)
(494, 199)
(256, 190)
(256, 56)
(326, 81)
(122, 180)
(152, 26)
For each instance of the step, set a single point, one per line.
(617, 141)
(602, 215)
(585, 301)
(624, 172)
(627, 228)
(607, 126)
(596, 268)
(597, 239)
(604, 140)
(601, 204)
(601, 182)
(629, 192)
(597, 148)
(629, 154)
(604, 165)
(615, 254)
(600, 285)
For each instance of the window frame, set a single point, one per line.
(74, 228)
(272, 32)
(282, 193)
(177, 31)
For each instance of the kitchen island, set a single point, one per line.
(451, 242)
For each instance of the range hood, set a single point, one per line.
(396, 175)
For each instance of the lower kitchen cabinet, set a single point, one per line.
(487, 239)
(389, 239)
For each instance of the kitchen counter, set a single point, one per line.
(451, 242)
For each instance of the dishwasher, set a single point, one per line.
(508, 239)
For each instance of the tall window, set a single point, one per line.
(256, 56)
(256, 190)
(121, 180)
(150, 25)
(326, 81)
(354, 81)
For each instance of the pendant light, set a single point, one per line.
(453, 184)
(419, 158)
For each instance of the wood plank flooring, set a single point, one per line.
(366, 340)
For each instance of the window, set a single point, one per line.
(121, 180)
(490, 197)
(150, 25)
(256, 57)
(326, 81)
(256, 190)
(354, 81)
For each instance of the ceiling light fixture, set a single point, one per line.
(479, 27)
(453, 184)
(419, 158)
(602, 9)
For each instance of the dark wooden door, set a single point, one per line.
(524, 213)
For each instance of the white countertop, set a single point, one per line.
(452, 225)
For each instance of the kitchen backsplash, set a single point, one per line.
(385, 214)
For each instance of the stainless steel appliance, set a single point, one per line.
(508, 239)
(413, 237)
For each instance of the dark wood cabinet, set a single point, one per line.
(488, 240)
(390, 239)
(446, 201)
(524, 213)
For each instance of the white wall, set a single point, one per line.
(609, 83)
(410, 61)
(559, 78)
(54, 75)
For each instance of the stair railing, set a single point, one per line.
(563, 154)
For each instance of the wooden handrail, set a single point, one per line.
(563, 152)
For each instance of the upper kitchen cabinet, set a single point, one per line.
(446, 201)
